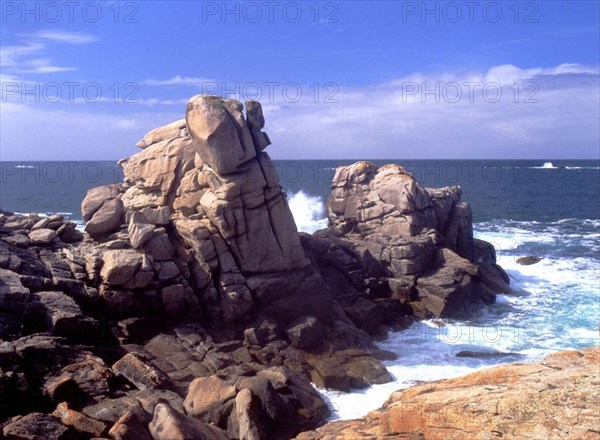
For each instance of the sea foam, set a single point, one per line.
(308, 211)
(554, 306)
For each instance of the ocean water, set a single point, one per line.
(549, 209)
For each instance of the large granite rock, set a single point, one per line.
(385, 228)
(556, 398)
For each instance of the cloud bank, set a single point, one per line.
(503, 112)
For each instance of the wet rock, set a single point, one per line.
(347, 370)
(508, 401)
(529, 260)
(486, 354)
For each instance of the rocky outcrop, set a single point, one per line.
(556, 398)
(406, 245)
(193, 308)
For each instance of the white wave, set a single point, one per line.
(308, 211)
(25, 166)
(46, 214)
(545, 166)
(582, 168)
(554, 306)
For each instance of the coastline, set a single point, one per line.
(168, 318)
(555, 398)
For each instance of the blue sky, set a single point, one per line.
(404, 79)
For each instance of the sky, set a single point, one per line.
(337, 79)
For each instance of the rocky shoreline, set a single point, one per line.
(556, 398)
(192, 307)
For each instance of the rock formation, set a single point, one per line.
(556, 398)
(417, 241)
(193, 308)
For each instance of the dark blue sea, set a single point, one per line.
(547, 208)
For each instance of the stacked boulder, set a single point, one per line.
(387, 229)
(200, 209)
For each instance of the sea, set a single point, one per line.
(544, 208)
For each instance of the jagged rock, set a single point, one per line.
(169, 131)
(252, 406)
(107, 219)
(554, 398)
(129, 427)
(42, 236)
(87, 378)
(140, 373)
(19, 240)
(422, 237)
(14, 297)
(64, 317)
(37, 426)
(120, 265)
(154, 174)
(529, 260)
(169, 424)
(256, 122)
(210, 399)
(68, 233)
(348, 369)
(139, 229)
(78, 421)
(306, 333)
(448, 290)
(110, 411)
(219, 130)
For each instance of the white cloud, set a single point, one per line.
(19, 57)
(508, 74)
(42, 65)
(178, 80)
(31, 132)
(64, 36)
(126, 123)
(381, 121)
(152, 102)
(10, 55)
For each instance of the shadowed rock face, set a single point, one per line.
(204, 311)
(555, 398)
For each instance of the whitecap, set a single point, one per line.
(308, 211)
